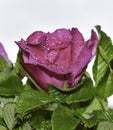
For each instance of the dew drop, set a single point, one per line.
(48, 49)
(27, 49)
(59, 42)
(53, 44)
(51, 56)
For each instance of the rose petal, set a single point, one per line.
(36, 38)
(65, 57)
(59, 39)
(87, 53)
(32, 55)
(77, 44)
(57, 57)
(43, 77)
(4, 54)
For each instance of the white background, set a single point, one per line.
(19, 18)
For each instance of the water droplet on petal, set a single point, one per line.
(35, 38)
(59, 39)
(48, 49)
(59, 42)
(51, 56)
(27, 49)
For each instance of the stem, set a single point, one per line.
(103, 103)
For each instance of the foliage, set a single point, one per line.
(26, 107)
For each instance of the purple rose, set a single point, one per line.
(58, 57)
(4, 54)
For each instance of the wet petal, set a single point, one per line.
(36, 38)
(43, 77)
(94, 40)
(57, 57)
(77, 44)
(59, 39)
(65, 57)
(87, 53)
(30, 53)
(33, 55)
(51, 56)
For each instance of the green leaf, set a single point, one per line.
(86, 92)
(3, 128)
(40, 119)
(3, 101)
(105, 86)
(31, 99)
(2, 123)
(86, 113)
(90, 122)
(3, 63)
(93, 114)
(96, 117)
(105, 125)
(63, 120)
(9, 115)
(26, 126)
(57, 94)
(93, 106)
(102, 69)
(10, 83)
(61, 94)
(103, 57)
(46, 125)
(104, 115)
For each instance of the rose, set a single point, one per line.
(58, 57)
(4, 54)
